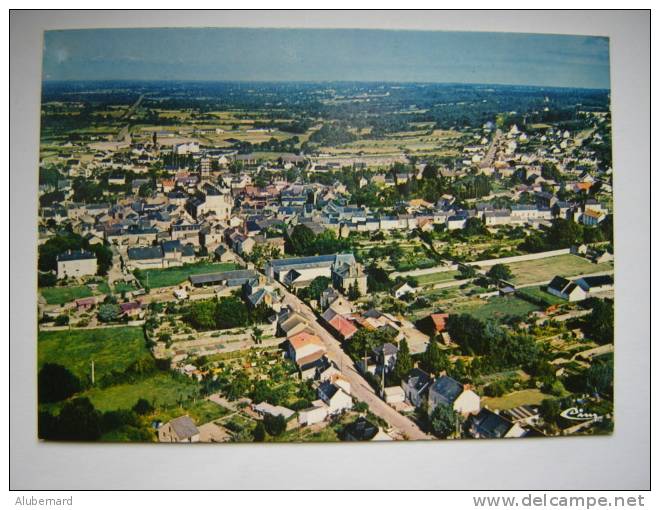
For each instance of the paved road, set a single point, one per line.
(359, 387)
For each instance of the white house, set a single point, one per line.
(566, 289)
(75, 264)
(315, 414)
(401, 289)
(335, 398)
(448, 391)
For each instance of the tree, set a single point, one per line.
(259, 433)
(231, 312)
(443, 421)
(301, 241)
(474, 227)
(79, 421)
(500, 272)
(550, 410)
(600, 323)
(202, 314)
(274, 425)
(56, 383)
(598, 378)
(467, 271)
(430, 171)
(316, 287)
(353, 291)
(434, 360)
(404, 362)
(109, 312)
(257, 335)
(142, 407)
(378, 280)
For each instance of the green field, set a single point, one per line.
(120, 287)
(540, 294)
(495, 308)
(61, 295)
(110, 348)
(517, 398)
(433, 278)
(161, 390)
(543, 270)
(155, 278)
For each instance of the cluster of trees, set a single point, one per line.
(333, 134)
(270, 145)
(79, 420)
(501, 347)
(599, 324)
(566, 233)
(224, 313)
(302, 241)
(68, 240)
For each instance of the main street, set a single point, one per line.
(360, 389)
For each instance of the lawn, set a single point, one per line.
(122, 286)
(204, 411)
(61, 295)
(155, 278)
(495, 308)
(110, 348)
(433, 278)
(543, 270)
(541, 295)
(517, 398)
(161, 390)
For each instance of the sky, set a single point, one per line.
(244, 54)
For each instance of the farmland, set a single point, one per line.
(543, 270)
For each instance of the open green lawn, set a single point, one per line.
(204, 411)
(495, 308)
(61, 295)
(121, 286)
(110, 348)
(433, 278)
(540, 294)
(155, 278)
(543, 270)
(515, 399)
(162, 390)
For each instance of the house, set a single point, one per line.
(314, 414)
(236, 278)
(566, 289)
(439, 321)
(448, 391)
(303, 344)
(401, 289)
(595, 284)
(76, 264)
(179, 430)
(344, 328)
(394, 395)
(131, 309)
(335, 398)
(264, 408)
(84, 304)
(491, 425)
(415, 386)
(385, 356)
(222, 254)
(145, 257)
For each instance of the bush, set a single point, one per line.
(274, 425)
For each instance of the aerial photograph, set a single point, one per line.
(322, 235)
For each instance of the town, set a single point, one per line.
(239, 262)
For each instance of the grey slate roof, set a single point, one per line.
(447, 388)
(76, 255)
(184, 427)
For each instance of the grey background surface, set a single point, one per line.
(621, 461)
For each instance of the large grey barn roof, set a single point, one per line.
(184, 427)
(224, 276)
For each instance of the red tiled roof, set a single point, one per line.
(439, 321)
(343, 326)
